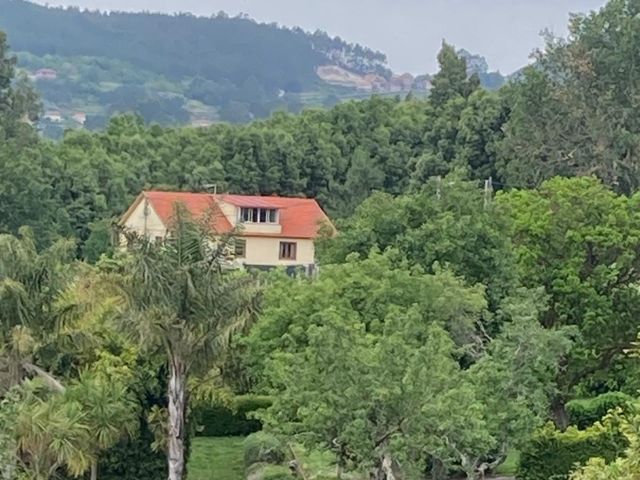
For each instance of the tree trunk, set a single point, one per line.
(177, 393)
(385, 469)
(438, 470)
(94, 470)
(560, 416)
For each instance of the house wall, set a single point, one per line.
(266, 251)
(230, 211)
(152, 226)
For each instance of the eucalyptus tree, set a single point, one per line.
(184, 303)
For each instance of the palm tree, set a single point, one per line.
(185, 304)
(110, 413)
(50, 433)
(68, 428)
(30, 281)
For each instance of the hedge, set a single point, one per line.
(553, 455)
(261, 447)
(222, 421)
(585, 412)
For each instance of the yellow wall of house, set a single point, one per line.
(266, 251)
(152, 226)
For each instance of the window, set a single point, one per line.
(258, 215)
(240, 248)
(287, 251)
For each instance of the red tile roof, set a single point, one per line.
(299, 217)
(198, 204)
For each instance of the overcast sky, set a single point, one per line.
(408, 31)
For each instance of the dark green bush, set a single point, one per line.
(585, 412)
(133, 460)
(261, 447)
(552, 454)
(222, 421)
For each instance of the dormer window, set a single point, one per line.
(258, 215)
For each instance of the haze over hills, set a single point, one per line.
(184, 69)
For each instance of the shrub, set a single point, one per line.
(585, 412)
(133, 460)
(221, 421)
(261, 447)
(552, 454)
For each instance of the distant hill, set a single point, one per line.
(183, 69)
(175, 68)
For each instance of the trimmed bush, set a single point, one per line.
(222, 421)
(261, 447)
(553, 455)
(585, 412)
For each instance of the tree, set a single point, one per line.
(376, 364)
(30, 281)
(369, 288)
(66, 428)
(579, 241)
(184, 304)
(576, 111)
(18, 101)
(109, 411)
(357, 384)
(451, 80)
(448, 222)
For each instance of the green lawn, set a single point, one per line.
(510, 465)
(216, 458)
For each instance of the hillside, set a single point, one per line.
(175, 69)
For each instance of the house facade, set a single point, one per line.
(268, 230)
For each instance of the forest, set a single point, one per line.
(475, 315)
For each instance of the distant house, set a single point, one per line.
(53, 116)
(269, 230)
(45, 74)
(79, 117)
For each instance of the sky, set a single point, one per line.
(410, 32)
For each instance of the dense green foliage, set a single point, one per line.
(552, 454)
(368, 364)
(584, 412)
(625, 466)
(230, 420)
(580, 241)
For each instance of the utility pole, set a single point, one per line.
(488, 191)
(209, 186)
(438, 183)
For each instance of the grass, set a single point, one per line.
(218, 458)
(510, 465)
